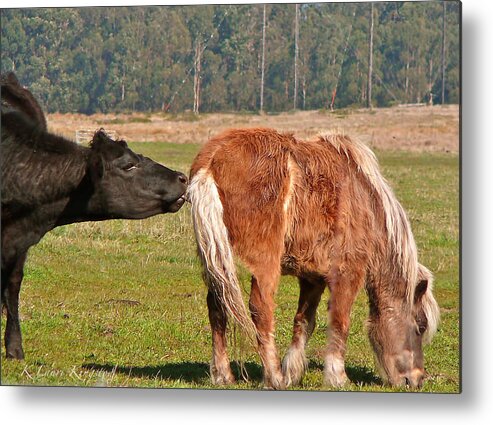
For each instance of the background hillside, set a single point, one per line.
(209, 58)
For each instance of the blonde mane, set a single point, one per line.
(400, 236)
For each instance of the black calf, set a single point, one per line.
(48, 181)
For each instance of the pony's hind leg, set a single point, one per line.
(221, 373)
(344, 287)
(295, 363)
(262, 307)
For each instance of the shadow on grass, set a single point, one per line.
(191, 372)
(198, 373)
(362, 376)
(357, 375)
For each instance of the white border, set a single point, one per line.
(132, 406)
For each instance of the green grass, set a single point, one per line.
(122, 303)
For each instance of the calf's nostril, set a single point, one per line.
(182, 178)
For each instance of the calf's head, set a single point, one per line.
(129, 185)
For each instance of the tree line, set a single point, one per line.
(215, 58)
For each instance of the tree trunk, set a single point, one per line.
(443, 50)
(303, 90)
(370, 58)
(430, 82)
(196, 79)
(406, 83)
(123, 87)
(296, 51)
(263, 65)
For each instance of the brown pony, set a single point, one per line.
(321, 211)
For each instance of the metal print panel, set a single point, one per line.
(242, 197)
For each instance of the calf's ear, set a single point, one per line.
(99, 140)
(110, 149)
(96, 166)
(122, 143)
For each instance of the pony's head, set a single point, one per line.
(398, 334)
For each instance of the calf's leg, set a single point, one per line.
(11, 285)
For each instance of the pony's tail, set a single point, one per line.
(215, 250)
(429, 304)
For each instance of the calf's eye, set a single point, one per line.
(129, 167)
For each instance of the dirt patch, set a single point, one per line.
(422, 128)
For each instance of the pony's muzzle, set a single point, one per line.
(415, 378)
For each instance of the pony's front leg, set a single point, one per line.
(262, 307)
(11, 285)
(343, 287)
(221, 373)
(295, 363)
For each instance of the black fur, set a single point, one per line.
(16, 96)
(48, 181)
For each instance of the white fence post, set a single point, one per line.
(84, 136)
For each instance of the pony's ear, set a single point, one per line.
(420, 290)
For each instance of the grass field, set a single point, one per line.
(122, 303)
(417, 129)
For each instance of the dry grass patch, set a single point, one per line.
(430, 129)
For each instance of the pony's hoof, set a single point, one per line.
(335, 381)
(292, 379)
(223, 378)
(222, 374)
(334, 373)
(294, 365)
(275, 383)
